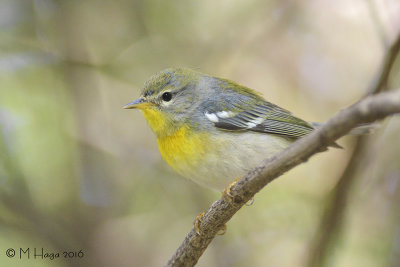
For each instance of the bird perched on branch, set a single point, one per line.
(213, 130)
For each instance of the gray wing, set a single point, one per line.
(263, 117)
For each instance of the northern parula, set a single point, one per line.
(213, 130)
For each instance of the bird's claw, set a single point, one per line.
(226, 193)
(197, 222)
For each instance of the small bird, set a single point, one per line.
(213, 130)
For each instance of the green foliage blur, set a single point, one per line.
(78, 173)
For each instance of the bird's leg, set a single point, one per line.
(226, 193)
(197, 222)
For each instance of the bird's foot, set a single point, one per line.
(226, 193)
(197, 222)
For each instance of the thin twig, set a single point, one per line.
(380, 83)
(370, 109)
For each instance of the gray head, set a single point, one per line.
(175, 94)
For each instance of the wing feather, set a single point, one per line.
(265, 118)
(242, 109)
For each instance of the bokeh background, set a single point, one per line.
(77, 172)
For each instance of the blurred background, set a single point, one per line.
(78, 173)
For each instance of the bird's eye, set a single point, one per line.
(167, 96)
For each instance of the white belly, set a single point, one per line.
(234, 155)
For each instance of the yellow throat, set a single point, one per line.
(180, 147)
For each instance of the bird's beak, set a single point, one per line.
(140, 103)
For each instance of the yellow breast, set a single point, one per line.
(181, 147)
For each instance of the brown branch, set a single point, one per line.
(367, 110)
